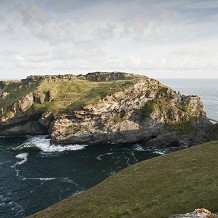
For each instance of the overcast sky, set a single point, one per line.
(159, 38)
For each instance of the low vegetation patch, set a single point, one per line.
(175, 183)
(70, 95)
(65, 96)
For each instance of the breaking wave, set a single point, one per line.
(23, 157)
(138, 147)
(43, 143)
(161, 151)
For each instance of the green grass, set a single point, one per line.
(69, 95)
(66, 95)
(175, 183)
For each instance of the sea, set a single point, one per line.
(35, 174)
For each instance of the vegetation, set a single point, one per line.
(118, 119)
(185, 127)
(16, 91)
(152, 105)
(174, 183)
(65, 95)
(68, 95)
(187, 108)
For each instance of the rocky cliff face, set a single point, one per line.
(102, 108)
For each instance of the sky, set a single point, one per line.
(157, 38)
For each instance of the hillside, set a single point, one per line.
(102, 107)
(174, 183)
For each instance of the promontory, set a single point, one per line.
(103, 107)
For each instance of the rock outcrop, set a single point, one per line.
(124, 108)
(198, 213)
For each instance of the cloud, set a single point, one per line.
(38, 22)
(2, 19)
(10, 29)
(33, 14)
(72, 35)
(65, 6)
(204, 4)
(134, 28)
(105, 32)
(48, 33)
(39, 14)
(214, 17)
(170, 15)
(23, 14)
(135, 60)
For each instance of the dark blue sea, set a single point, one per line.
(35, 174)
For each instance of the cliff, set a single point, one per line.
(102, 107)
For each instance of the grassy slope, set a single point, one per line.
(67, 95)
(175, 183)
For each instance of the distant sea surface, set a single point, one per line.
(35, 174)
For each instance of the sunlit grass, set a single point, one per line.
(65, 96)
(68, 95)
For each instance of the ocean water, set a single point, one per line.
(35, 174)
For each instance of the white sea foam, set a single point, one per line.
(138, 147)
(127, 161)
(22, 156)
(160, 151)
(77, 193)
(43, 143)
(16, 207)
(99, 157)
(59, 148)
(41, 179)
(133, 155)
(112, 173)
(61, 179)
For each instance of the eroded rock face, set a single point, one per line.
(22, 119)
(145, 112)
(137, 114)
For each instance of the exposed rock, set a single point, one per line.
(39, 97)
(4, 94)
(124, 117)
(25, 103)
(28, 125)
(46, 120)
(144, 111)
(96, 76)
(198, 213)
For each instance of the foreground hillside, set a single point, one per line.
(102, 108)
(174, 183)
